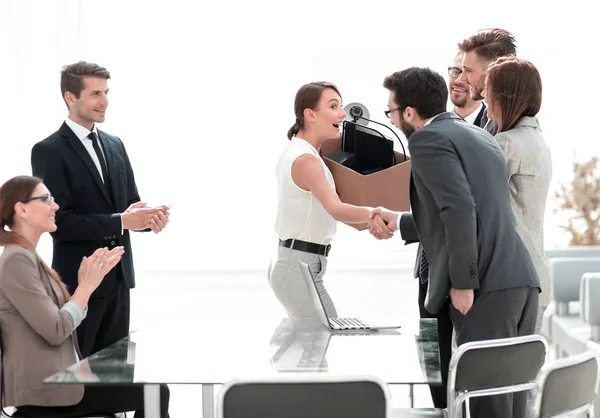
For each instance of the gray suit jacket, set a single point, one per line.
(38, 337)
(461, 207)
(529, 165)
(407, 226)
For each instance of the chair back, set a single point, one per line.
(493, 367)
(304, 396)
(567, 386)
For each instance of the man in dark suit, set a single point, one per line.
(479, 51)
(463, 104)
(90, 176)
(462, 216)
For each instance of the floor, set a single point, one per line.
(383, 292)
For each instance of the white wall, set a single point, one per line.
(202, 95)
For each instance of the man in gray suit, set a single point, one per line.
(463, 218)
(471, 111)
(480, 50)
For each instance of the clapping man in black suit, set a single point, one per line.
(90, 176)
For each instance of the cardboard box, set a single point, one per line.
(388, 188)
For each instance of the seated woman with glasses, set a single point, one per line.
(514, 97)
(308, 205)
(38, 316)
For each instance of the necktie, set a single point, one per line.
(423, 267)
(484, 119)
(103, 166)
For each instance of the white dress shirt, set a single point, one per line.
(470, 118)
(82, 133)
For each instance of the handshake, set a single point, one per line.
(139, 217)
(383, 223)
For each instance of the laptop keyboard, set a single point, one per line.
(347, 323)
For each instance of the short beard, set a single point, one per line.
(460, 102)
(476, 91)
(476, 94)
(406, 128)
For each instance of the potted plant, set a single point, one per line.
(580, 199)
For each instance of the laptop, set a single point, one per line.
(338, 324)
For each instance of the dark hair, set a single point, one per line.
(71, 76)
(515, 86)
(308, 97)
(420, 88)
(490, 44)
(13, 191)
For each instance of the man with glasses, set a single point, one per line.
(462, 215)
(89, 173)
(471, 111)
(464, 105)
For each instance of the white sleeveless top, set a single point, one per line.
(300, 215)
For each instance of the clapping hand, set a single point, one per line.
(139, 216)
(93, 268)
(160, 219)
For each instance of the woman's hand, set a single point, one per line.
(84, 374)
(93, 268)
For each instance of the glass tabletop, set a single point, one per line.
(216, 351)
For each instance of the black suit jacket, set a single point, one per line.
(462, 213)
(88, 217)
(477, 121)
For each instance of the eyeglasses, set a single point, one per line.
(454, 72)
(49, 199)
(389, 112)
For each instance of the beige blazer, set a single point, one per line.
(38, 337)
(529, 172)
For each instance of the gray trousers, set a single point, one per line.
(500, 314)
(289, 286)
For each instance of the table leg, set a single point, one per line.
(208, 401)
(411, 395)
(152, 401)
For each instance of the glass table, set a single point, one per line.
(213, 351)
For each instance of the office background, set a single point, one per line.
(202, 96)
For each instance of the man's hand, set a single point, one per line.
(160, 219)
(462, 299)
(137, 217)
(378, 228)
(382, 215)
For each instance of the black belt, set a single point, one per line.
(307, 247)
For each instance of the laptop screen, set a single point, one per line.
(314, 294)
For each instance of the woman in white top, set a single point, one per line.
(514, 97)
(308, 205)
